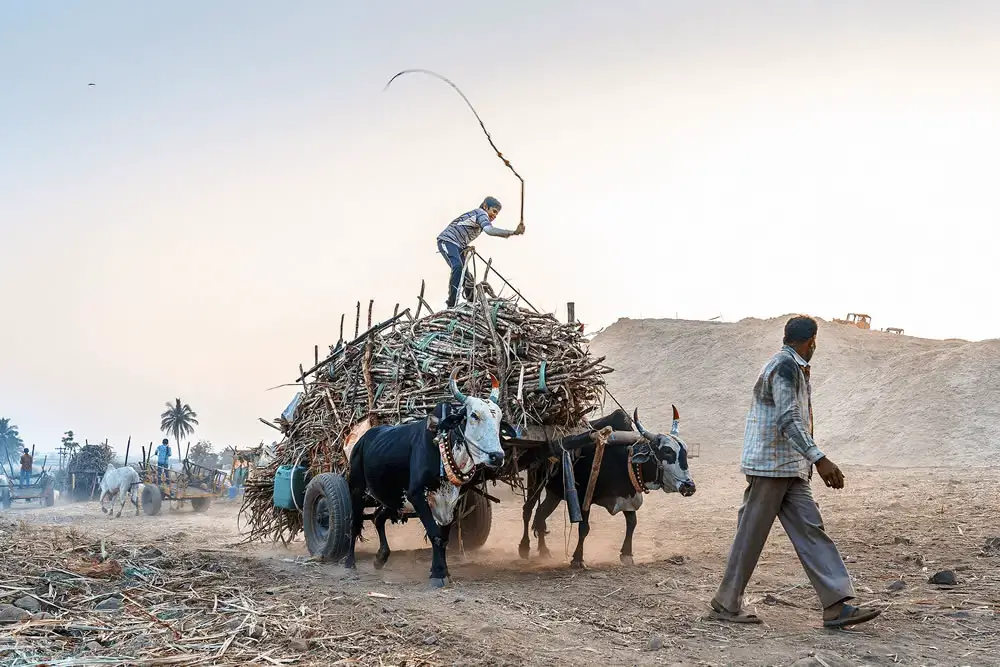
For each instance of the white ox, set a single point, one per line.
(120, 483)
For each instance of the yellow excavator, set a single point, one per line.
(862, 321)
(858, 320)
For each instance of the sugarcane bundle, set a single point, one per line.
(91, 459)
(398, 371)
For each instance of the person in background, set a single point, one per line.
(26, 465)
(778, 457)
(463, 230)
(162, 460)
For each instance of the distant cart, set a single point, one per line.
(41, 488)
(192, 483)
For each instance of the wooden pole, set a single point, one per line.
(571, 312)
(186, 450)
(127, 446)
(357, 321)
(371, 304)
(420, 300)
(316, 354)
(342, 315)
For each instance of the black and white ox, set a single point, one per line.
(626, 473)
(119, 484)
(424, 466)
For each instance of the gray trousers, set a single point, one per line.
(789, 499)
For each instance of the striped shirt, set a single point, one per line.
(464, 229)
(779, 432)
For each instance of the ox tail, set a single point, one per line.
(356, 482)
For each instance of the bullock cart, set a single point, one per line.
(193, 483)
(397, 372)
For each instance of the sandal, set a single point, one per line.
(851, 615)
(719, 613)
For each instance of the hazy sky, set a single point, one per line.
(193, 224)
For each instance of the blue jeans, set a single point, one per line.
(161, 471)
(453, 256)
(25, 478)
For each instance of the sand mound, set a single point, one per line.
(879, 398)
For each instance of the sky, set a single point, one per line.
(193, 224)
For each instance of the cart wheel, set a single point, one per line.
(5, 498)
(201, 504)
(327, 516)
(49, 497)
(475, 525)
(152, 499)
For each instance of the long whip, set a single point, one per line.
(481, 124)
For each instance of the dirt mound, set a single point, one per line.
(879, 398)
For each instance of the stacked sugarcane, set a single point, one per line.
(398, 371)
(91, 459)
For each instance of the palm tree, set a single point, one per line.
(179, 421)
(10, 439)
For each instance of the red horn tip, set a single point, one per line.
(676, 414)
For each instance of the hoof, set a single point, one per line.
(626, 560)
(577, 565)
(524, 550)
(380, 560)
(436, 583)
(544, 553)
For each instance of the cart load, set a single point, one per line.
(399, 370)
(85, 469)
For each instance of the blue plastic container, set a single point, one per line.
(286, 480)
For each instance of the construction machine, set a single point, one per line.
(858, 320)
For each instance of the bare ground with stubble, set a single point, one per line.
(890, 524)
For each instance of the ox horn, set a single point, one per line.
(494, 389)
(643, 432)
(675, 427)
(453, 386)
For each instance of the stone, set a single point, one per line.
(902, 540)
(655, 643)
(598, 575)
(822, 659)
(42, 616)
(300, 645)
(28, 603)
(430, 640)
(896, 585)
(944, 578)
(11, 614)
(93, 646)
(108, 604)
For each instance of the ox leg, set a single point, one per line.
(383, 544)
(535, 483)
(626, 555)
(577, 561)
(545, 510)
(438, 538)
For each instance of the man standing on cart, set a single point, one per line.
(463, 230)
(162, 460)
(26, 465)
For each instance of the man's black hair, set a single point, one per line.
(799, 329)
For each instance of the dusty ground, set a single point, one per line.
(890, 524)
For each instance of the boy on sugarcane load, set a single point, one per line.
(462, 231)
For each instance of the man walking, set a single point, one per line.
(463, 230)
(26, 464)
(778, 456)
(162, 460)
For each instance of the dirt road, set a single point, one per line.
(891, 525)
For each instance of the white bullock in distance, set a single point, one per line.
(120, 483)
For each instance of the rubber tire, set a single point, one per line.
(201, 504)
(335, 545)
(476, 526)
(5, 500)
(151, 500)
(49, 497)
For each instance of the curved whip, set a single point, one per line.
(481, 124)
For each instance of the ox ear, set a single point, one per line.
(494, 389)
